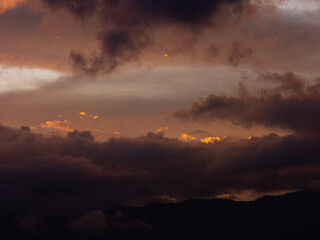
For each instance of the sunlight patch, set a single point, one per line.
(25, 79)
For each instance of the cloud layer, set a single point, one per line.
(127, 27)
(75, 173)
(293, 105)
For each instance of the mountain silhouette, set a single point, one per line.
(290, 216)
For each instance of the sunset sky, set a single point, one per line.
(116, 102)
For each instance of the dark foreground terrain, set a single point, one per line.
(291, 216)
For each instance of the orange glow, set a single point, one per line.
(212, 139)
(8, 4)
(116, 133)
(185, 136)
(165, 55)
(168, 198)
(89, 115)
(162, 129)
(250, 137)
(56, 124)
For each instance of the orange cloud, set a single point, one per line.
(59, 125)
(185, 136)
(162, 129)
(211, 139)
(8, 4)
(116, 133)
(84, 114)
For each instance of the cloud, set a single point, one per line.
(8, 4)
(93, 222)
(185, 136)
(87, 115)
(293, 105)
(211, 139)
(76, 174)
(57, 124)
(287, 41)
(207, 139)
(238, 54)
(162, 129)
(127, 27)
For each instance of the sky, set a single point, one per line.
(111, 102)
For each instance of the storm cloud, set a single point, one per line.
(127, 27)
(75, 174)
(293, 104)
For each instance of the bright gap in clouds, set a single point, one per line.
(300, 5)
(294, 5)
(291, 5)
(24, 79)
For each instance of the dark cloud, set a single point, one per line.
(181, 11)
(127, 26)
(238, 54)
(293, 105)
(76, 173)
